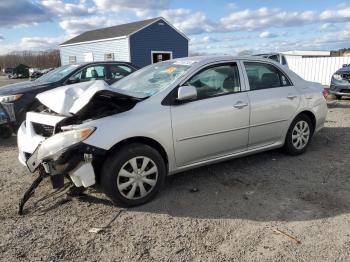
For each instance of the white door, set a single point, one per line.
(215, 124)
(88, 57)
(273, 101)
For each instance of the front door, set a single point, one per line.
(273, 101)
(217, 122)
(160, 56)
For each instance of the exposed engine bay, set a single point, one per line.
(60, 112)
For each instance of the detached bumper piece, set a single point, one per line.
(30, 191)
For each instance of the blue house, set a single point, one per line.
(141, 43)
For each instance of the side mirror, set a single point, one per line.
(186, 93)
(73, 80)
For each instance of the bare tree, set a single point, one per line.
(46, 59)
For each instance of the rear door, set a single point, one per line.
(273, 102)
(217, 123)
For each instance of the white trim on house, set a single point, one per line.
(162, 52)
(169, 24)
(129, 49)
(95, 41)
(128, 36)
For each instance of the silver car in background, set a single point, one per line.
(169, 117)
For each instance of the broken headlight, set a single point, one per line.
(58, 143)
(10, 98)
(337, 77)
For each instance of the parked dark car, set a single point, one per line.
(340, 82)
(22, 95)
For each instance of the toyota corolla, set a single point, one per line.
(166, 118)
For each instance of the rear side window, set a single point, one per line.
(263, 76)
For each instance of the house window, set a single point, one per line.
(72, 59)
(159, 56)
(109, 57)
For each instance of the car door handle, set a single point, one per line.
(291, 96)
(240, 105)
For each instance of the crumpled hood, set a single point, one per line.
(69, 100)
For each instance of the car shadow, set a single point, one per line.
(268, 186)
(338, 104)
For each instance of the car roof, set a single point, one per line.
(215, 58)
(102, 62)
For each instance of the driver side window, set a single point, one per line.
(215, 81)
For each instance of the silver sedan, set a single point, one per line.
(170, 117)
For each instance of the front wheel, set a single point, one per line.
(299, 135)
(133, 175)
(338, 97)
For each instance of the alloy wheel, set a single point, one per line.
(300, 134)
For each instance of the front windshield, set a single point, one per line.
(153, 79)
(57, 74)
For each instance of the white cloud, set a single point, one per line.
(62, 9)
(32, 44)
(340, 14)
(267, 34)
(134, 5)
(188, 21)
(264, 18)
(335, 37)
(76, 26)
(22, 13)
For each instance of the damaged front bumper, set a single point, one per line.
(76, 160)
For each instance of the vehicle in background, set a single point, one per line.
(166, 118)
(20, 71)
(277, 57)
(21, 96)
(340, 82)
(7, 118)
(7, 71)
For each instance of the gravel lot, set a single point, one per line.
(233, 216)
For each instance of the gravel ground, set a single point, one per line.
(233, 216)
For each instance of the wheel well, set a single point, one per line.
(143, 140)
(312, 118)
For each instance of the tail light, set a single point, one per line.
(325, 93)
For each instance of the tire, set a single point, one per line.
(338, 97)
(5, 132)
(122, 183)
(301, 129)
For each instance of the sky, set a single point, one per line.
(214, 27)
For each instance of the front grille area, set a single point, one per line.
(346, 76)
(44, 130)
(347, 91)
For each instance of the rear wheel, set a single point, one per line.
(133, 175)
(299, 135)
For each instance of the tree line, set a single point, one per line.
(46, 59)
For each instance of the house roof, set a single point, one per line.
(114, 31)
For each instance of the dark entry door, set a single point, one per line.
(160, 56)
